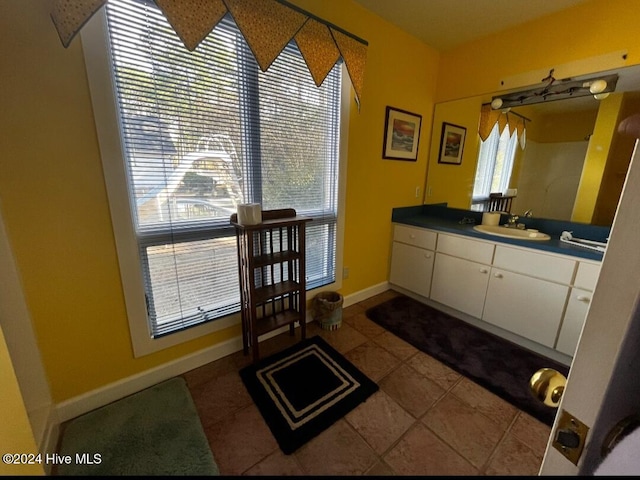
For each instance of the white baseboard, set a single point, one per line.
(99, 397)
(369, 292)
(49, 442)
(109, 393)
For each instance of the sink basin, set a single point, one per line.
(511, 232)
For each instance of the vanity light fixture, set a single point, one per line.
(599, 87)
(596, 86)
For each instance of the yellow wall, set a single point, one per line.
(400, 72)
(451, 183)
(55, 204)
(52, 186)
(615, 172)
(594, 28)
(15, 430)
(585, 34)
(562, 127)
(596, 158)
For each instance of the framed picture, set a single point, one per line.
(401, 135)
(451, 143)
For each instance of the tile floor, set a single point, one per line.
(425, 420)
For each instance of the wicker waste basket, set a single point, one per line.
(327, 310)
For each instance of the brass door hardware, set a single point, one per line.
(570, 436)
(547, 385)
(621, 429)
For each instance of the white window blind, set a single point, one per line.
(495, 163)
(203, 131)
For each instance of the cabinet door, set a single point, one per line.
(460, 284)
(411, 268)
(526, 306)
(573, 321)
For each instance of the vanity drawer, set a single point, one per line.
(460, 247)
(418, 237)
(538, 265)
(587, 275)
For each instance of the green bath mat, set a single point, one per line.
(154, 432)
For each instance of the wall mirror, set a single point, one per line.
(574, 162)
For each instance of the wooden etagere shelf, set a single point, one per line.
(271, 263)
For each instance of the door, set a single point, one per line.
(603, 385)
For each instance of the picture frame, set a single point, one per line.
(401, 135)
(452, 143)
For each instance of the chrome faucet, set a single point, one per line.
(528, 213)
(512, 222)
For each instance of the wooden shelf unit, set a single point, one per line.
(271, 264)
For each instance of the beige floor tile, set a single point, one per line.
(513, 457)
(380, 469)
(365, 326)
(339, 450)
(208, 372)
(497, 409)
(433, 369)
(240, 441)
(374, 361)
(313, 328)
(531, 432)
(413, 391)
(395, 345)
(277, 464)
(278, 343)
(413, 385)
(468, 431)
(343, 339)
(421, 452)
(378, 299)
(350, 311)
(380, 421)
(220, 397)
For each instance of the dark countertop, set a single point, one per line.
(441, 218)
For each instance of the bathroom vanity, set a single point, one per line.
(533, 293)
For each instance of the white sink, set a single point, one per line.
(511, 232)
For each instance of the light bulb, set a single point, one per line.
(597, 86)
(601, 96)
(496, 103)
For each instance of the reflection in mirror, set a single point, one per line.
(573, 165)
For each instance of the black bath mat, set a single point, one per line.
(304, 389)
(499, 365)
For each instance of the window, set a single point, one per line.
(201, 132)
(495, 163)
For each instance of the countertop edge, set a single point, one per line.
(449, 226)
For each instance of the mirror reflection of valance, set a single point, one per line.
(489, 117)
(267, 26)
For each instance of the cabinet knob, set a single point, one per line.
(498, 275)
(412, 236)
(484, 270)
(427, 255)
(582, 298)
